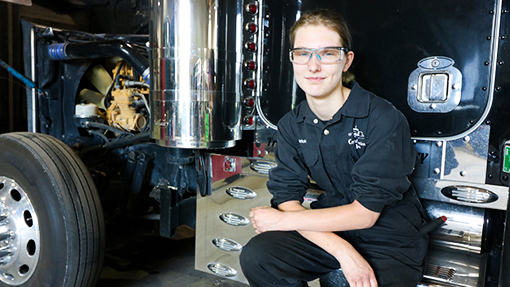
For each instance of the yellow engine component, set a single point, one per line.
(127, 93)
(92, 97)
(121, 113)
(100, 78)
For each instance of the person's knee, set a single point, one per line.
(253, 252)
(254, 260)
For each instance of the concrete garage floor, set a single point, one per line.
(135, 257)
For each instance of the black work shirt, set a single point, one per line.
(363, 153)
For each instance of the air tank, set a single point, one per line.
(196, 73)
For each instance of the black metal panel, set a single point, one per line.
(278, 96)
(499, 116)
(391, 37)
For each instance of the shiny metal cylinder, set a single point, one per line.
(463, 230)
(196, 72)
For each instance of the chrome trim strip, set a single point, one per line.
(31, 109)
(443, 159)
(260, 59)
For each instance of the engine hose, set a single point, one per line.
(101, 49)
(118, 143)
(105, 127)
(22, 78)
(141, 137)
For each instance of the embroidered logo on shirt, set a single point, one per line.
(357, 138)
(302, 141)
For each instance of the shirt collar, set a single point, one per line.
(356, 106)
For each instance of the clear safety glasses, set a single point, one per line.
(326, 55)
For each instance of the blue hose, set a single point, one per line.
(16, 74)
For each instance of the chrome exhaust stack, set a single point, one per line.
(196, 73)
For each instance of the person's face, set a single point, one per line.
(315, 78)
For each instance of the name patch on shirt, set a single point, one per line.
(357, 138)
(302, 141)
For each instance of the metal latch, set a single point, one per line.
(435, 86)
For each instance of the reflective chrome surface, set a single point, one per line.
(461, 164)
(445, 268)
(262, 167)
(20, 240)
(241, 192)
(217, 239)
(469, 194)
(227, 244)
(222, 269)
(431, 189)
(463, 160)
(463, 228)
(435, 86)
(196, 65)
(454, 255)
(234, 219)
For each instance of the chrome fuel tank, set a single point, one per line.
(196, 70)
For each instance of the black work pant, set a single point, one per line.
(285, 258)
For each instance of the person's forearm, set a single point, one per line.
(328, 241)
(348, 217)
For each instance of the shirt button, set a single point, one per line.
(326, 132)
(315, 121)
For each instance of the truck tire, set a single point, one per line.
(51, 221)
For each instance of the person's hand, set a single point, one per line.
(356, 269)
(265, 218)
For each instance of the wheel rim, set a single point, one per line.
(19, 234)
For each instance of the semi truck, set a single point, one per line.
(178, 126)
